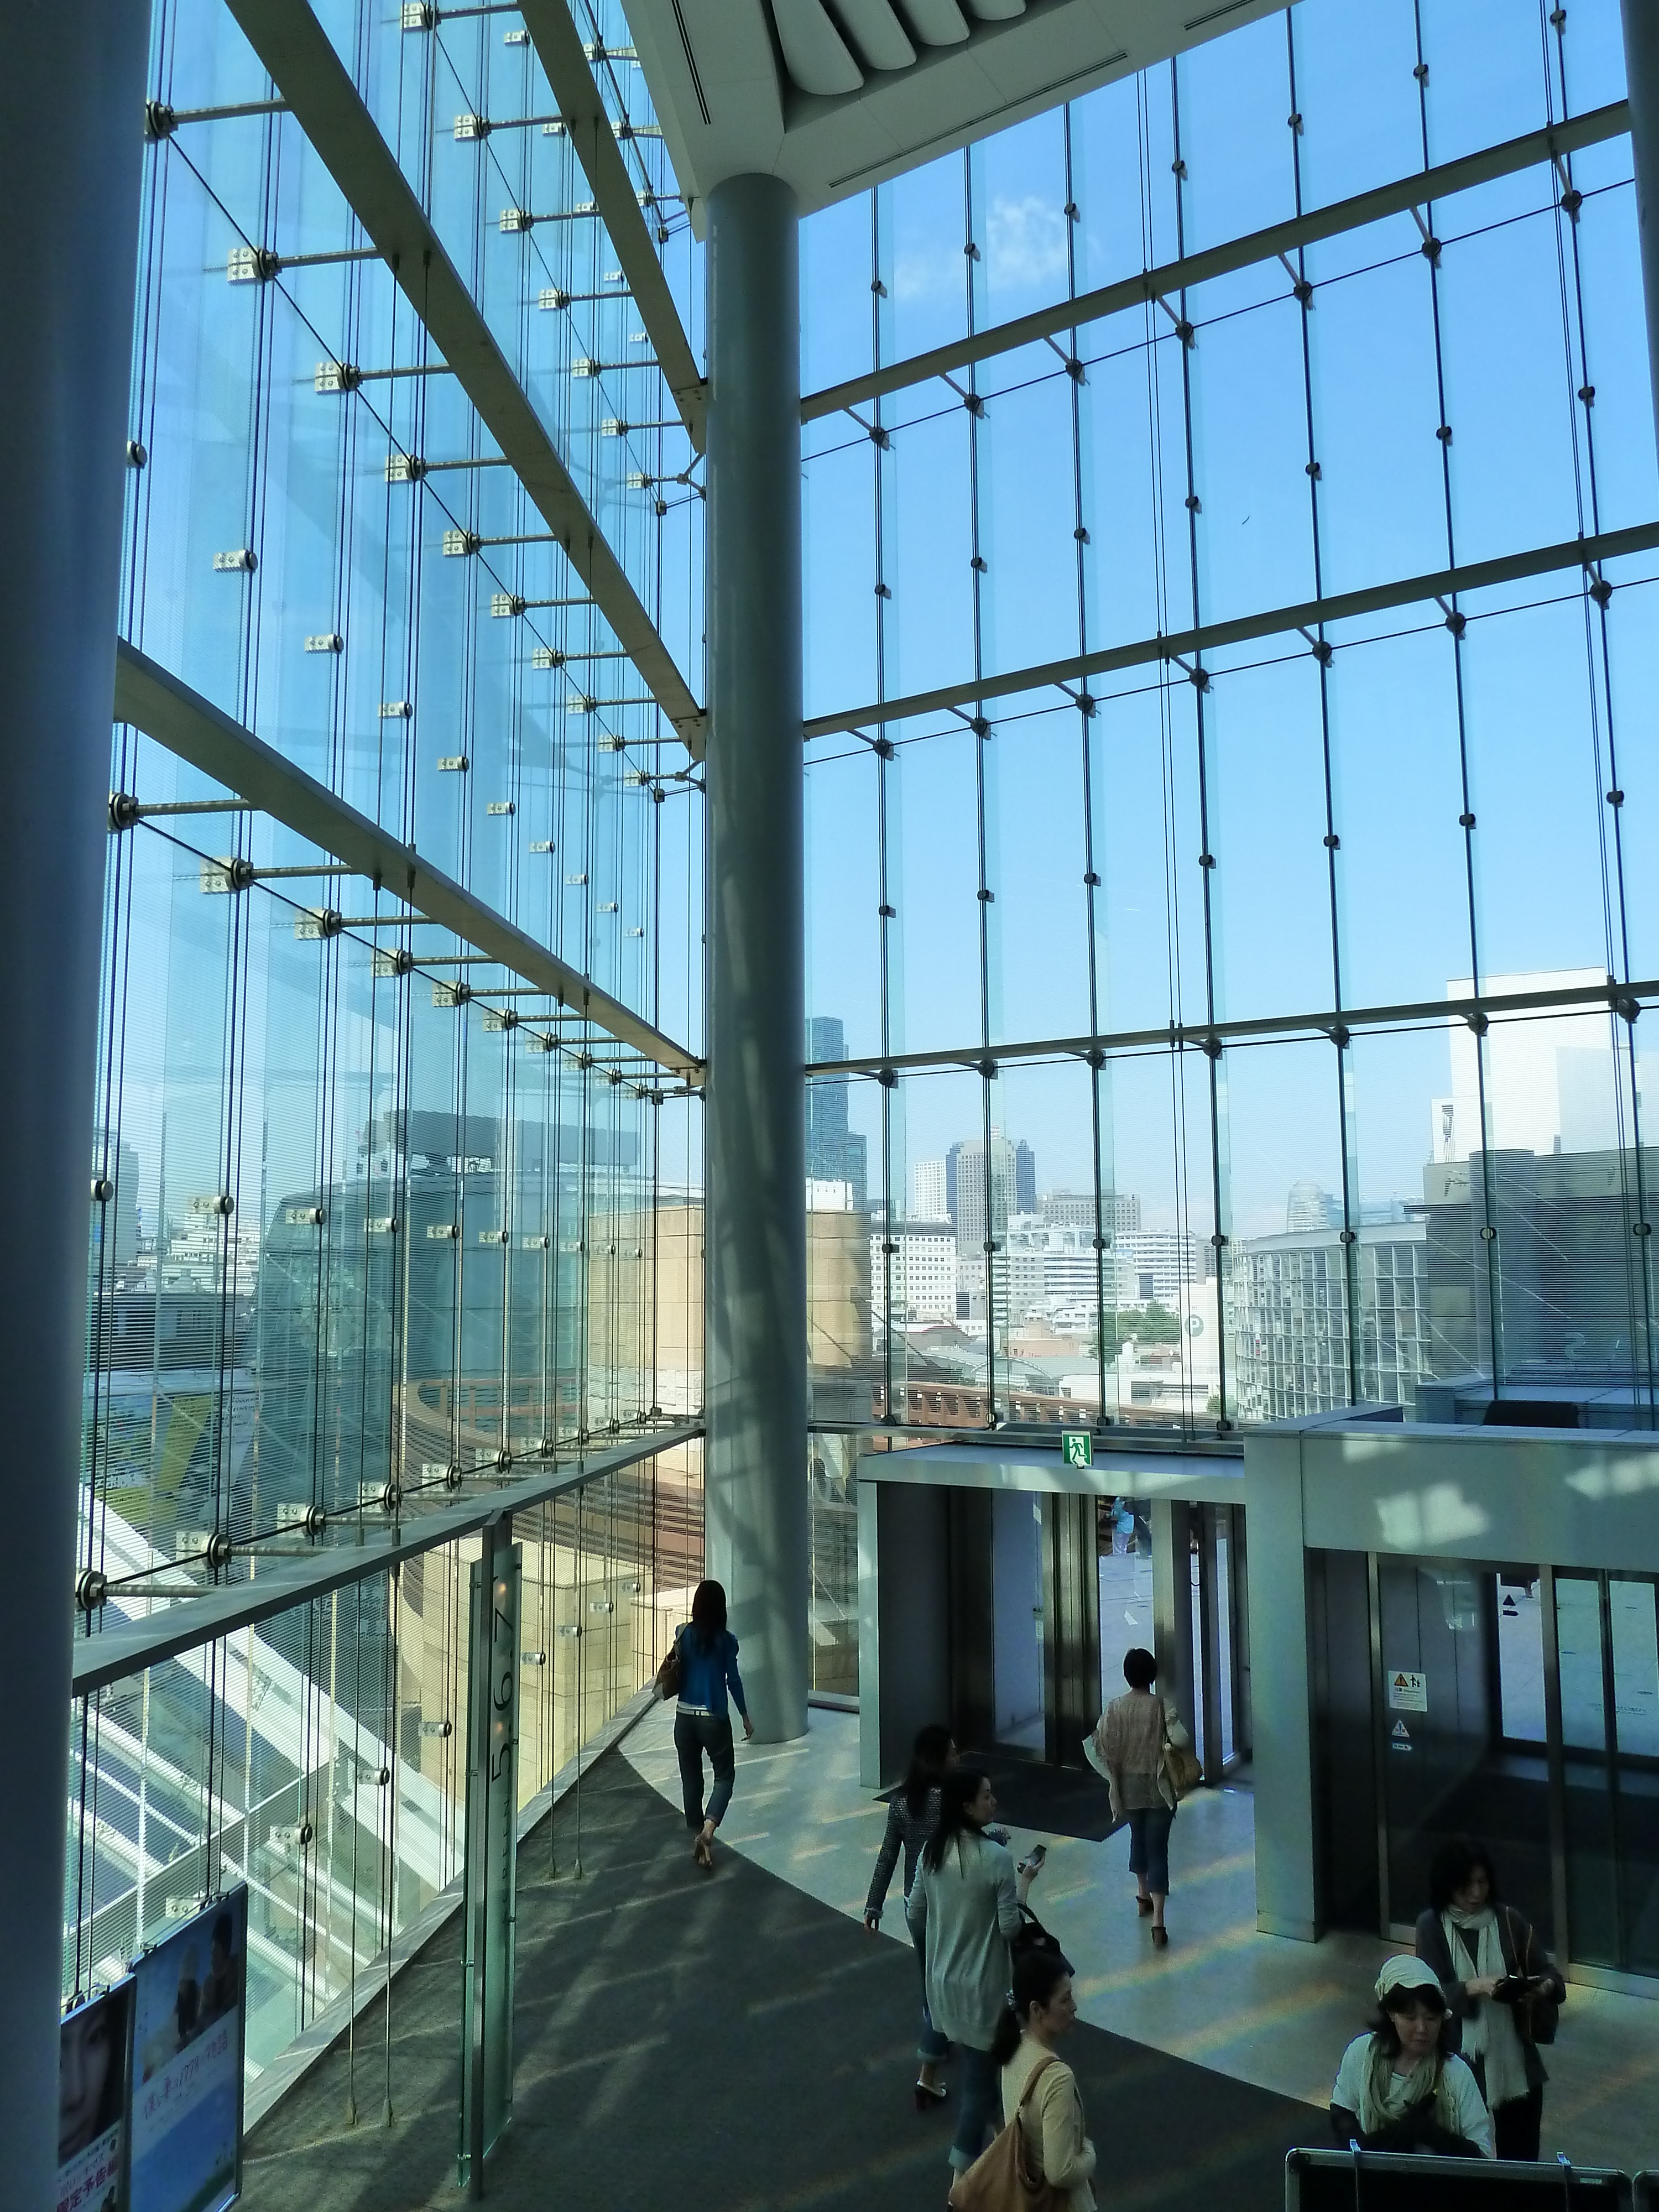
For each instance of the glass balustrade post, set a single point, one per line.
(70, 157)
(755, 1122)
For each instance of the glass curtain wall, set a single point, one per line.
(321, 1756)
(1246, 1028)
(376, 1220)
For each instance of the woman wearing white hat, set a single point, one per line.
(1398, 2088)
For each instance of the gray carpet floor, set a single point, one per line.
(716, 2040)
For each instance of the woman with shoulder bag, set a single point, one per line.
(964, 1910)
(1040, 2094)
(701, 1669)
(1501, 1985)
(1146, 1755)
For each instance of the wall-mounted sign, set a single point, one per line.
(94, 2053)
(188, 2040)
(1077, 1448)
(1408, 1693)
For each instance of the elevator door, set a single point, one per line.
(1607, 1629)
(1459, 1726)
(1017, 1620)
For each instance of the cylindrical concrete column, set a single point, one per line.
(70, 157)
(758, 1536)
(1641, 19)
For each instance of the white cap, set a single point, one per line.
(1403, 1971)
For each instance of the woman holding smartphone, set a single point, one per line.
(964, 1910)
(1501, 1987)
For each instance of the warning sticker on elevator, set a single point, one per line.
(1408, 1693)
(1402, 1732)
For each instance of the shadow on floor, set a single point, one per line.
(687, 2040)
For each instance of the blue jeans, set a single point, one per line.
(695, 1734)
(979, 2085)
(1149, 1846)
(933, 2046)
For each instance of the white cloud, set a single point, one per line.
(1024, 246)
(1026, 240)
(924, 276)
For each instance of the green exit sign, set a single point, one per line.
(1077, 1448)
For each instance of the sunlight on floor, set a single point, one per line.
(1258, 2008)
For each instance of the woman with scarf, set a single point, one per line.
(1499, 1983)
(1398, 2087)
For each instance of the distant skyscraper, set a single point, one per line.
(1119, 1211)
(928, 1201)
(1310, 1206)
(971, 1190)
(1025, 1178)
(835, 1153)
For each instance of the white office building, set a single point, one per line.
(913, 1264)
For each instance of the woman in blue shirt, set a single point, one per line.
(708, 1666)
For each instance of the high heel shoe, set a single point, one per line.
(1160, 1939)
(929, 2095)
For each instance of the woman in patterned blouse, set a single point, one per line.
(912, 1817)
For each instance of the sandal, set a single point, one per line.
(930, 2093)
(1160, 1939)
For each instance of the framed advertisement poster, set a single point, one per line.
(189, 2034)
(94, 2052)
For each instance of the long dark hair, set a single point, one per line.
(930, 1754)
(708, 1614)
(1453, 1864)
(1037, 1975)
(958, 1788)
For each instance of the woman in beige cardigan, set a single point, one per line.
(1129, 1742)
(1039, 2088)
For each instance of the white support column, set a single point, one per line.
(71, 163)
(756, 1493)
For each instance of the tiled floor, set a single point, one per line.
(1258, 2008)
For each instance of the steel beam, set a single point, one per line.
(156, 702)
(295, 50)
(113, 1655)
(1209, 637)
(1529, 152)
(1189, 1037)
(559, 49)
(1641, 21)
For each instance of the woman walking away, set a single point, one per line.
(708, 1667)
(1501, 1985)
(963, 1907)
(912, 1817)
(1399, 2087)
(1039, 2089)
(1132, 1737)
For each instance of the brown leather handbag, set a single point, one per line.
(1000, 2178)
(1184, 1767)
(1536, 2016)
(667, 1681)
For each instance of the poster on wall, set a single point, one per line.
(188, 2037)
(94, 2048)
